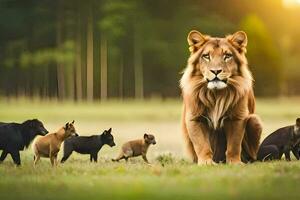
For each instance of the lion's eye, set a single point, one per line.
(206, 57)
(227, 56)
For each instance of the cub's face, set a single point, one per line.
(149, 139)
(217, 58)
(70, 129)
(108, 138)
(37, 127)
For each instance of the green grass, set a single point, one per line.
(114, 110)
(171, 175)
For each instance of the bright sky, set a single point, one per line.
(291, 2)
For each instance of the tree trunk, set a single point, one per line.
(138, 66)
(59, 41)
(121, 94)
(103, 68)
(46, 83)
(90, 52)
(70, 81)
(78, 55)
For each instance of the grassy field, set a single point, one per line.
(170, 176)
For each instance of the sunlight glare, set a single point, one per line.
(291, 3)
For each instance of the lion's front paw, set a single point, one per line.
(235, 162)
(202, 162)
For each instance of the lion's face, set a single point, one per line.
(217, 64)
(217, 58)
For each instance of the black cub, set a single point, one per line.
(280, 142)
(15, 137)
(87, 145)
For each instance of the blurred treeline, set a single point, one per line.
(99, 49)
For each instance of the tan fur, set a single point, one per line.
(136, 148)
(189, 144)
(227, 106)
(49, 145)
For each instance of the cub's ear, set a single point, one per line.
(73, 122)
(109, 130)
(298, 122)
(239, 40)
(67, 125)
(145, 135)
(195, 40)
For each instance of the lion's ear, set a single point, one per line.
(239, 40)
(195, 40)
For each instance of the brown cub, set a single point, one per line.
(48, 146)
(136, 148)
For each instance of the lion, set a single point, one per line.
(218, 120)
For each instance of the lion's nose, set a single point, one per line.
(216, 72)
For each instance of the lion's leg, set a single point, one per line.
(189, 144)
(218, 142)
(234, 130)
(190, 147)
(199, 136)
(252, 136)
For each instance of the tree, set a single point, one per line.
(59, 41)
(263, 56)
(90, 52)
(78, 71)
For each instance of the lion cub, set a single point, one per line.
(280, 142)
(48, 146)
(136, 148)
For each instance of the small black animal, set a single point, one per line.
(14, 137)
(280, 142)
(87, 145)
